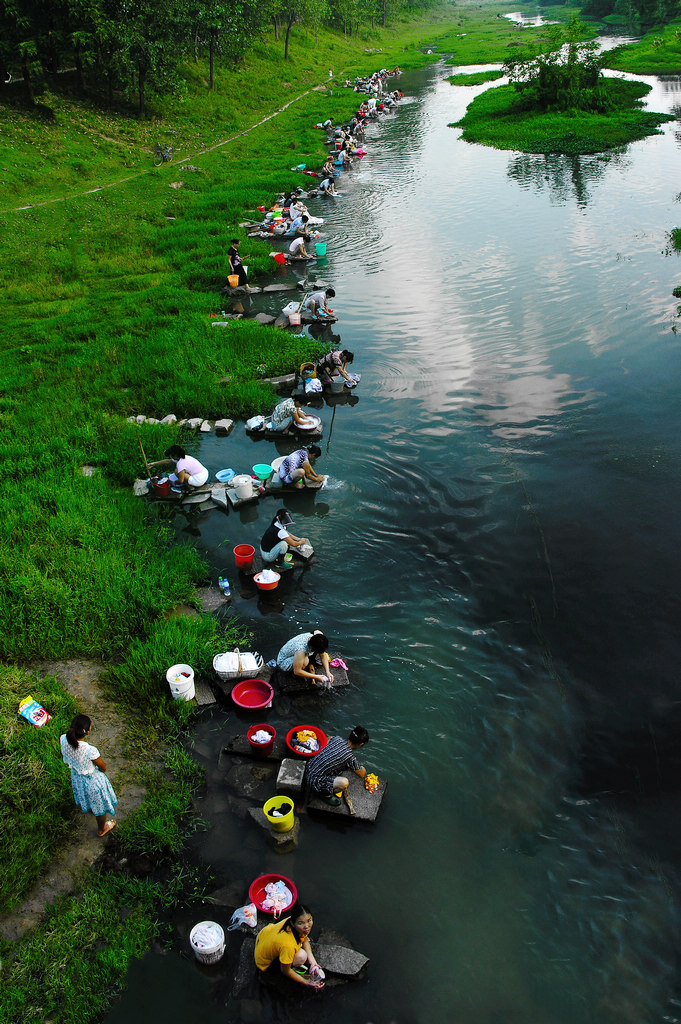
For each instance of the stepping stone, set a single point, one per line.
(169, 419)
(194, 423)
(290, 683)
(264, 318)
(339, 959)
(219, 496)
(239, 746)
(280, 841)
(366, 805)
(210, 598)
(290, 777)
(203, 693)
(206, 427)
(279, 287)
(283, 383)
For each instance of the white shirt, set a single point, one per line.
(191, 465)
(296, 244)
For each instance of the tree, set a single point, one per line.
(567, 75)
(155, 35)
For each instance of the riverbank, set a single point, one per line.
(109, 297)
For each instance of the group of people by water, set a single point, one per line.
(284, 945)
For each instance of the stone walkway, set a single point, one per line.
(81, 679)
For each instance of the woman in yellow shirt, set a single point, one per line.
(288, 942)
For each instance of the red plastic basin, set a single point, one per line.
(319, 733)
(252, 694)
(256, 890)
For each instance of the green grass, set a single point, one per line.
(475, 78)
(36, 801)
(658, 53)
(497, 118)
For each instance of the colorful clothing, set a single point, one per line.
(275, 942)
(282, 417)
(330, 363)
(296, 460)
(325, 766)
(290, 649)
(92, 790)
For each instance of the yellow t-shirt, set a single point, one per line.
(274, 944)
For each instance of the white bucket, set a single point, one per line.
(243, 485)
(181, 681)
(276, 463)
(207, 939)
(336, 385)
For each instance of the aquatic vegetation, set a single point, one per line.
(658, 53)
(499, 118)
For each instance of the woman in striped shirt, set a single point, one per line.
(322, 778)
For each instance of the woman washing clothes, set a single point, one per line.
(188, 471)
(276, 540)
(297, 467)
(288, 412)
(335, 362)
(287, 943)
(322, 774)
(92, 790)
(306, 655)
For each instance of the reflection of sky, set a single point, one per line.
(495, 293)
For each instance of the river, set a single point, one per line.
(498, 560)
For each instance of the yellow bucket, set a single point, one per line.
(284, 821)
(233, 280)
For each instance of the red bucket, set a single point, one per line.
(261, 749)
(161, 488)
(279, 257)
(243, 555)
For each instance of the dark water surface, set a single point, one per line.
(498, 559)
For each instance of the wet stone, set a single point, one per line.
(240, 746)
(245, 974)
(366, 805)
(223, 427)
(248, 781)
(340, 959)
(206, 427)
(290, 683)
(290, 777)
(264, 318)
(279, 288)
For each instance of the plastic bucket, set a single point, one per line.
(279, 257)
(161, 488)
(336, 385)
(320, 248)
(200, 941)
(261, 749)
(233, 280)
(294, 319)
(286, 820)
(180, 679)
(243, 554)
(243, 485)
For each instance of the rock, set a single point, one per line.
(171, 218)
(290, 777)
(279, 287)
(223, 427)
(228, 895)
(181, 423)
(265, 319)
(340, 959)
(189, 167)
(282, 842)
(206, 427)
(210, 598)
(194, 423)
(283, 383)
(319, 285)
(89, 470)
(139, 488)
(131, 419)
(170, 418)
(245, 972)
(153, 420)
(140, 419)
(247, 781)
(175, 184)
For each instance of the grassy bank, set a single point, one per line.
(498, 118)
(658, 53)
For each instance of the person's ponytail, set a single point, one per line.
(80, 727)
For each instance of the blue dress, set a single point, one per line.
(92, 790)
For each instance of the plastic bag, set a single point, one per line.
(255, 423)
(244, 915)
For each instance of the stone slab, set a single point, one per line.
(238, 746)
(219, 495)
(340, 959)
(204, 696)
(210, 598)
(276, 486)
(289, 683)
(241, 289)
(290, 777)
(206, 427)
(277, 435)
(252, 781)
(264, 318)
(282, 383)
(280, 841)
(279, 287)
(223, 427)
(236, 502)
(366, 805)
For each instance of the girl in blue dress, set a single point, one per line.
(92, 790)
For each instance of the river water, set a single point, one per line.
(498, 560)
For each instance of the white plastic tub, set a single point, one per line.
(181, 682)
(207, 939)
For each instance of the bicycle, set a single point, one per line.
(162, 154)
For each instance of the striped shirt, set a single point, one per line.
(325, 766)
(296, 460)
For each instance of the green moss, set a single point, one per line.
(497, 118)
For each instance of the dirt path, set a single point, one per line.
(139, 174)
(81, 679)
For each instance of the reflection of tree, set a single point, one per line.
(563, 175)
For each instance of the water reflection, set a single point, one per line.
(564, 177)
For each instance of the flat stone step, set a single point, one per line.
(289, 683)
(366, 805)
(203, 694)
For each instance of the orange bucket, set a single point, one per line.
(233, 280)
(243, 555)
